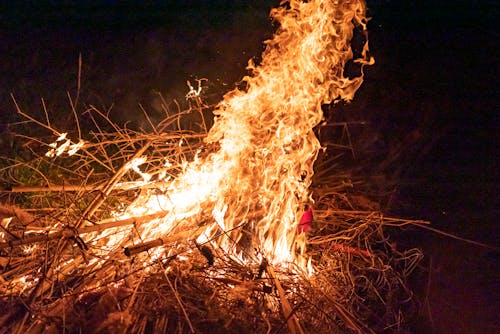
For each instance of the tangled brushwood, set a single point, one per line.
(196, 231)
(49, 251)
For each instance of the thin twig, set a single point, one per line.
(72, 187)
(291, 319)
(98, 227)
(456, 237)
(179, 301)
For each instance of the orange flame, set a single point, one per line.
(256, 184)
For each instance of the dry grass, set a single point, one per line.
(359, 285)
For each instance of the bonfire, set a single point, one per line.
(207, 231)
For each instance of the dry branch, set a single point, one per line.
(73, 232)
(70, 187)
(291, 318)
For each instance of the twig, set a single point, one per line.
(20, 112)
(72, 187)
(349, 249)
(73, 109)
(348, 319)
(292, 320)
(179, 301)
(101, 197)
(103, 225)
(456, 237)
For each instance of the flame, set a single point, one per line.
(255, 185)
(57, 148)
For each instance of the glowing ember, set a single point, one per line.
(256, 183)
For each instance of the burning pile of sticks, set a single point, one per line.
(56, 275)
(180, 231)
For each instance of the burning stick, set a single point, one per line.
(142, 247)
(104, 225)
(291, 319)
(262, 159)
(100, 198)
(72, 187)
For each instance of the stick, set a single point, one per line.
(456, 237)
(142, 247)
(72, 187)
(348, 249)
(291, 319)
(101, 197)
(43, 284)
(103, 225)
(179, 301)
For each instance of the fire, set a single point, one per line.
(246, 195)
(255, 185)
(151, 238)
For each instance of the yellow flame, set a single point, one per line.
(256, 184)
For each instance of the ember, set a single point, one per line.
(201, 232)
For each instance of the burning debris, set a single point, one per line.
(179, 231)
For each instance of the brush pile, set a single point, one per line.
(58, 276)
(195, 231)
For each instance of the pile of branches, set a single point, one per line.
(54, 203)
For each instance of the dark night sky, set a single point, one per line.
(436, 74)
